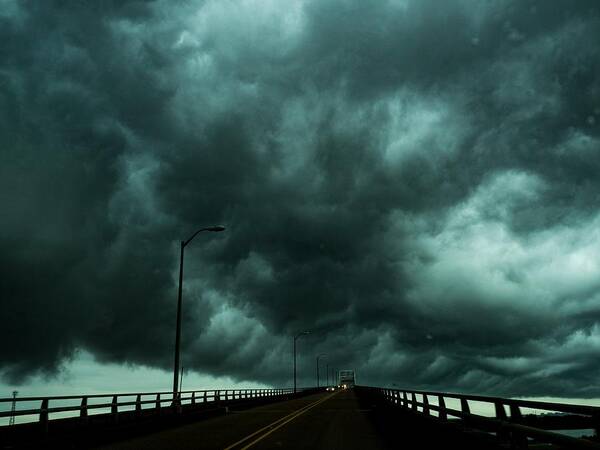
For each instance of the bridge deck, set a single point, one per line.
(332, 421)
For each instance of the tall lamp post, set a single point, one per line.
(295, 339)
(319, 356)
(178, 326)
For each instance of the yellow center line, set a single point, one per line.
(290, 417)
(293, 416)
(269, 426)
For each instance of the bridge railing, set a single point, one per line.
(44, 409)
(508, 423)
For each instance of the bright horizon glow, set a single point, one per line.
(85, 375)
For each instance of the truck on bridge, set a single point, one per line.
(346, 378)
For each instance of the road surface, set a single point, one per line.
(323, 421)
(330, 421)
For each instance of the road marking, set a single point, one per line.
(278, 424)
(297, 414)
(269, 426)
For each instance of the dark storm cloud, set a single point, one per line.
(413, 181)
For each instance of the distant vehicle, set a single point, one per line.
(346, 379)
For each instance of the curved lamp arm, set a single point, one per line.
(213, 229)
(302, 333)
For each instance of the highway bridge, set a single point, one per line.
(321, 418)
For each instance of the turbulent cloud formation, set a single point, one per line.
(413, 181)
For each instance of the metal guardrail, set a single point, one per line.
(514, 429)
(117, 402)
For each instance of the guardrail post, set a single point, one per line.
(226, 395)
(442, 405)
(515, 413)
(177, 403)
(83, 411)
(44, 415)
(114, 409)
(138, 404)
(502, 434)
(205, 399)
(217, 397)
(414, 402)
(193, 397)
(517, 440)
(464, 406)
(405, 397)
(158, 403)
(425, 404)
(500, 411)
(596, 422)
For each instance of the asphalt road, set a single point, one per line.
(338, 423)
(332, 421)
(324, 421)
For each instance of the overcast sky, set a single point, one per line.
(414, 181)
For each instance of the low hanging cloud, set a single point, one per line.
(413, 181)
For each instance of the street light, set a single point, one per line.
(295, 339)
(178, 326)
(319, 356)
